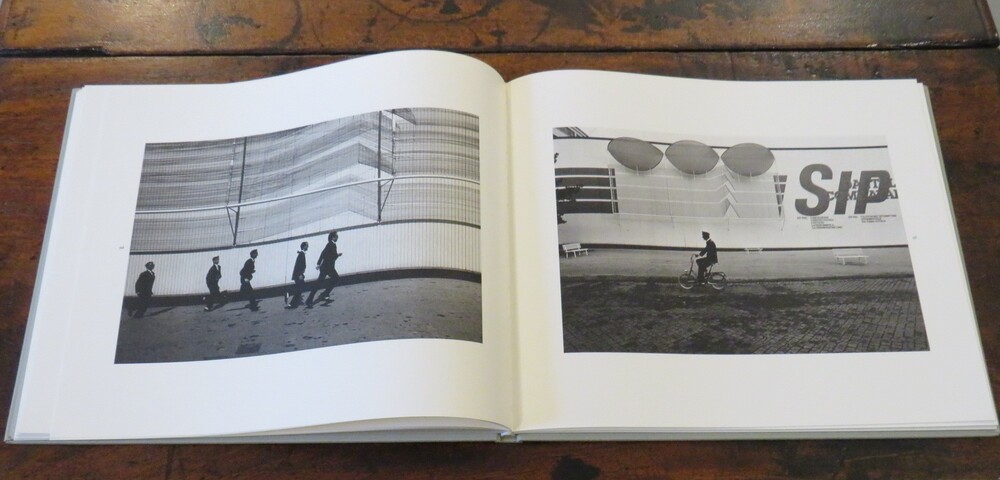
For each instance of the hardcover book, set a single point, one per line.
(405, 247)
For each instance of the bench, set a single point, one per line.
(843, 255)
(750, 250)
(575, 249)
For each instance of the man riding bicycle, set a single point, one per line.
(706, 257)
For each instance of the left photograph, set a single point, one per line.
(357, 229)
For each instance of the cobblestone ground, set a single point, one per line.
(365, 312)
(654, 315)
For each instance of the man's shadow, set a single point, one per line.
(152, 313)
(251, 307)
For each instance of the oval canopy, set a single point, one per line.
(748, 159)
(635, 154)
(692, 157)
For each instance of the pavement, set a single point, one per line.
(361, 312)
(776, 303)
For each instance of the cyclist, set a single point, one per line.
(706, 257)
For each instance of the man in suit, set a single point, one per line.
(707, 256)
(293, 297)
(212, 280)
(144, 290)
(246, 275)
(327, 266)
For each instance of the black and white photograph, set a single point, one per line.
(684, 244)
(357, 229)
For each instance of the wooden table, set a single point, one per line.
(47, 47)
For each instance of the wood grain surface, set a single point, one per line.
(142, 27)
(48, 47)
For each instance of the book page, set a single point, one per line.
(732, 257)
(281, 255)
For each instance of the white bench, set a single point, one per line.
(575, 249)
(750, 250)
(843, 255)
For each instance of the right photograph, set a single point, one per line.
(691, 244)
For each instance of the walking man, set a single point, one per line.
(246, 275)
(212, 280)
(293, 298)
(327, 266)
(144, 290)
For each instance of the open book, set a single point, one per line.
(404, 247)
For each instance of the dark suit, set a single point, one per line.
(299, 277)
(327, 263)
(144, 290)
(710, 257)
(299, 270)
(246, 275)
(212, 280)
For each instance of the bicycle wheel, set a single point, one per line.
(717, 280)
(687, 281)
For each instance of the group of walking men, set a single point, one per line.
(326, 264)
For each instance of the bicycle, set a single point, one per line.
(689, 279)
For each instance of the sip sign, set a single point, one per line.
(871, 186)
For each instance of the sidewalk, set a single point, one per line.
(362, 312)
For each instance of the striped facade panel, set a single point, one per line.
(409, 169)
(586, 190)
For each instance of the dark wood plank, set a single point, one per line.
(965, 90)
(347, 26)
